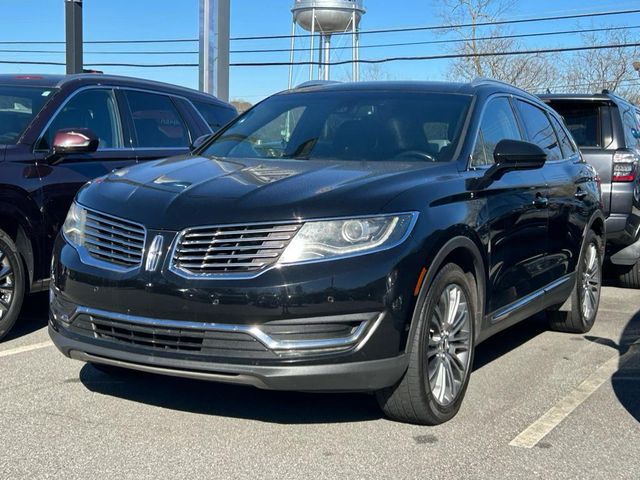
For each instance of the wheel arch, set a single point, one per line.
(464, 251)
(17, 227)
(597, 224)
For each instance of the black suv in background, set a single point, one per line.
(337, 237)
(607, 130)
(57, 133)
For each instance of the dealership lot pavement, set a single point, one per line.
(540, 404)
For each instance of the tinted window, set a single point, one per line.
(539, 130)
(566, 144)
(583, 121)
(631, 127)
(348, 125)
(498, 123)
(156, 121)
(94, 109)
(18, 106)
(214, 115)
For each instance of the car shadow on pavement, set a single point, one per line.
(510, 339)
(277, 407)
(33, 316)
(626, 380)
(235, 401)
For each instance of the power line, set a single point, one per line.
(34, 42)
(177, 52)
(453, 26)
(140, 65)
(455, 40)
(440, 57)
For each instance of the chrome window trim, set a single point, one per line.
(249, 275)
(200, 115)
(88, 259)
(120, 88)
(357, 337)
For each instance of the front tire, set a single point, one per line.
(585, 296)
(433, 387)
(12, 283)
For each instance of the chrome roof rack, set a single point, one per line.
(315, 83)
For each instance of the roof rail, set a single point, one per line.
(484, 80)
(315, 83)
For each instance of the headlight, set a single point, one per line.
(74, 225)
(329, 239)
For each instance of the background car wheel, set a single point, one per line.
(585, 297)
(12, 283)
(629, 277)
(432, 388)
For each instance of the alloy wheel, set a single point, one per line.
(7, 284)
(591, 281)
(448, 351)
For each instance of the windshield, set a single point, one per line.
(348, 125)
(18, 106)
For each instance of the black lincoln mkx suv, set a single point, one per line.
(361, 237)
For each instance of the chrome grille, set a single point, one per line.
(114, 240)
(232, 249)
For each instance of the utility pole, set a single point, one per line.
(73, 35)
(214, 47)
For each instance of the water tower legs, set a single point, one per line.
(326, 48)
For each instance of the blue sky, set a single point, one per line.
(156, 19)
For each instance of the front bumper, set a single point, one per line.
(354, 376)
(623, 238)
(304, 327)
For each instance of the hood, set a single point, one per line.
(180, 192)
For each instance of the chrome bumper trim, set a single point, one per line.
(360, 336)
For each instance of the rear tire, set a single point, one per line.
(433, 387)
(585, 296)
(629, 276)
(12, 283)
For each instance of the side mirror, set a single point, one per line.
(509, 156)
(73, 140)
(198, 142)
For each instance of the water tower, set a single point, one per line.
(325, 18)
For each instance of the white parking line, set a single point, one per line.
(550, 420)
(26, 348)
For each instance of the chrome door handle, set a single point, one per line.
(580, 194)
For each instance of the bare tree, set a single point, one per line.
(375, 72)
(241, 105)
(610, 68)
(528, 71)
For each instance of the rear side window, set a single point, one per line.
(214, 115)
(631, 127)
(583, 121)
(539, 130)
(498, 123)
(156, 121)
(94, 109)
(566, 144)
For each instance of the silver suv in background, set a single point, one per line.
(607, 130)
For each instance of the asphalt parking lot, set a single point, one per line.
(540, 404)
